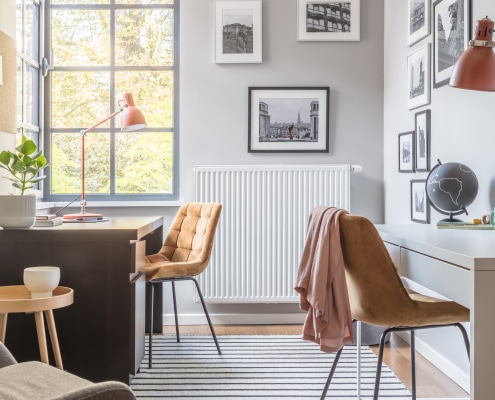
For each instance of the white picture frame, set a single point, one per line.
(418, 20)
(313, 23)
(419, 77)
(238, 36)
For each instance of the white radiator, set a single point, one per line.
(262, 228)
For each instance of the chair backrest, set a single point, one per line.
(376, 292)
(190, 237)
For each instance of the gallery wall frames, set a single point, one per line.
(418, 75)
(422, 127)
(451, 30)
(420, 207)
(319, 20)
(288, 119)
(418, 18)
(238, 36)
(406, 151)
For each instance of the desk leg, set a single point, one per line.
(40, 329)
(3, 326)
(54, 338)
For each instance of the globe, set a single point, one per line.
(451, 188)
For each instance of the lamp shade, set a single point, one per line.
(132, 119)
(475, 68)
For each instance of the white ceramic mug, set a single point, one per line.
(41, 281)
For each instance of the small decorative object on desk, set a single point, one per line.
(42, 217)
(41, 281)
(48, 222)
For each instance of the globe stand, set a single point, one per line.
(451, 219)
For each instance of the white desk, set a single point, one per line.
(459, 264)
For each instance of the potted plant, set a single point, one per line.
(18, 210)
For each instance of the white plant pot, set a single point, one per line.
(41, 281)
(17, 211)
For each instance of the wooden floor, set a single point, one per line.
(430, 381)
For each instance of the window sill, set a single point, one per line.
(112, 204)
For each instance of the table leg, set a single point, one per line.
(3, 326)
(54, 338)
(40, 329)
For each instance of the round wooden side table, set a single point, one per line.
(16, 299)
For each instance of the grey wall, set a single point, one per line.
(214, 103)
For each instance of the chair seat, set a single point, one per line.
(157, 266)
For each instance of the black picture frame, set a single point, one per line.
(420, 206)
(451, 34)
(407, 152)
(422, 134)
(288, 119)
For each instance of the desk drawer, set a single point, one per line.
(449, 280)
(138, 251)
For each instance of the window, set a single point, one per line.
(102, 49)
(28, 38)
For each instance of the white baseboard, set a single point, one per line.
(442, 363)
(237, 319)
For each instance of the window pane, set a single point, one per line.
(153, 93)
(31, 30)
(19, 34)
(144, 162)
(81, 37)
(30, 91)
(66, 163)
(144, 37)
(80, 1)
(80, 99)
(19, 87)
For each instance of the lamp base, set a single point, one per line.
(83, 216)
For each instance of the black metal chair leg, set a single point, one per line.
(379, 363)
(466, 339)
(413, 365)
(207, 315)
(150, 315)
(175, 313)
(330, 375)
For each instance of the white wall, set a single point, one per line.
(462, 125)
(7, 25)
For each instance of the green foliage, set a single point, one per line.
(23, 165)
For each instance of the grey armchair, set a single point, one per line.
(35, 380)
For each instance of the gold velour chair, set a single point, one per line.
(185, 254)
(377, 295)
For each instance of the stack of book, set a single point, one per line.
(47, 220)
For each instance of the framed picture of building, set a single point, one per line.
(406, 152)
(327, 20)
(422, 137)
(418, 20)
(418, 75)
(288, 119)
(238, 32)
(420, 207)
(450, 36)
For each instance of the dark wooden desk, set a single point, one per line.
(101, 335)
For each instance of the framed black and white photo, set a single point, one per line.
(422, 137)
(406, 152)
(418, 20)
(418, 75)
(450, 36)
(238, 32)
(288, 119)
(420, 207)
(328, 20)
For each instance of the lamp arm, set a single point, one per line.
(83, 132)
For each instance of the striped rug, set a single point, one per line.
(256, 367)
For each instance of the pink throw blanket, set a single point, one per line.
(321, 282)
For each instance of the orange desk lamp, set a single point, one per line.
(475, 68)
(132, 119)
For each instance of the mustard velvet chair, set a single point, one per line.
(184, 255)
(377, 295)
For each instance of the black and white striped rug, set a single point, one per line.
(256, 367)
